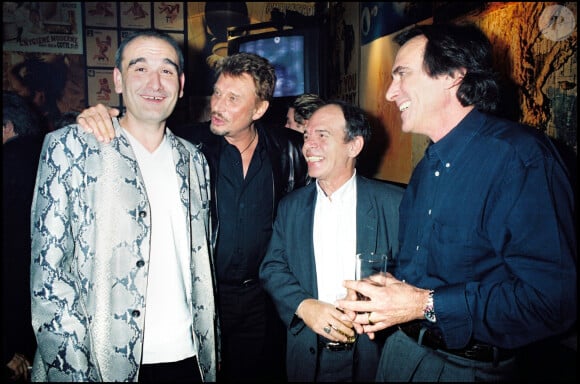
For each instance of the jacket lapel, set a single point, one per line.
(366, 218)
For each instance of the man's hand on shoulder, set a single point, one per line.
(98, 120)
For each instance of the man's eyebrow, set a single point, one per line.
(171, 62)
(397, 69)
(143, 60)
(135, 61)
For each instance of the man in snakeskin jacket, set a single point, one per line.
(122, 276)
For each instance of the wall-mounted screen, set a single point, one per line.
(294, 54)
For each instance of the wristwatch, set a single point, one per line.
(429, 310)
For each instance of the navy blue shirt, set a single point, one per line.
(487, 222)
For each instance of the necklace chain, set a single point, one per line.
(254, 138)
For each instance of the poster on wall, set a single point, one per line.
(344, 43)
(42, 27)
(101, 88)
(136, 14)
(101, 47)
(101, 14)
(168, 15)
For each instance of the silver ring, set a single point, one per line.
(327, 329)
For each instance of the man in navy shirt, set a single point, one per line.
(486, 267)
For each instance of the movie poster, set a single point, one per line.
(42, 27)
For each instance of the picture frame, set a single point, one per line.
(101, 14)
(135, 14)
(169, 15)
(101, 47)
(101, 87)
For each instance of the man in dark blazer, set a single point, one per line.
(317, 233)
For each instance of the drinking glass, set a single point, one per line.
(368, 264)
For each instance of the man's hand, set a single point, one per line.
(97, 120)
(391, 302)
(319, 316)
(19, 366)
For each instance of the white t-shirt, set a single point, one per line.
(168, 322)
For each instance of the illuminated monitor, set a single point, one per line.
(294, 54)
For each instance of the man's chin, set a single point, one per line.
(217, 131)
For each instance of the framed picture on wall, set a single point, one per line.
(168, 15)
(42, 27)
(101, 88)
(101, 14)
(101, 47)
(136, 14)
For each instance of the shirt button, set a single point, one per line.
(140, 263)
(135, 313)
(142, 214)
(436, 173)
(447, 165)
(429, 212)
(417, 247)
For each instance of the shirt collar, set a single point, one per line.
(343, 193)
(451, 145)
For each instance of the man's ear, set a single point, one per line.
(355, 146)
(118, 80)
(262, 107)
(456, 78)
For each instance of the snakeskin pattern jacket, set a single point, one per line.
(91, 228)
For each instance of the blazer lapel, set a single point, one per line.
(305, 215)
(366, 218)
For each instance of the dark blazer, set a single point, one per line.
(288, 271)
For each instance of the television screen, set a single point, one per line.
(293, 52)
(286, 53)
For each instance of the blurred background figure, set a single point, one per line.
(42, 81)
(67, 118)
(21, 144)
(301, 109)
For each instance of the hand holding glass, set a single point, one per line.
(370, 263)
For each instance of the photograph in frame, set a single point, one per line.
(101, 14)
(169, 15)
(100, 87)
(136, 14)
(101, 47)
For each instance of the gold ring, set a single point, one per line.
(369, 319)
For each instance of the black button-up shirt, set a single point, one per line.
(245, 208)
